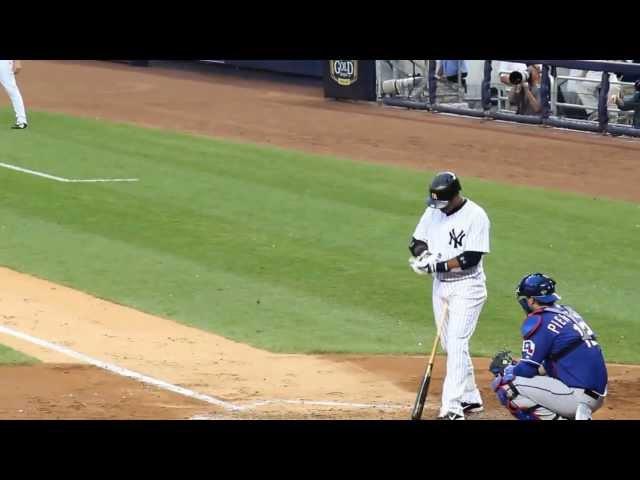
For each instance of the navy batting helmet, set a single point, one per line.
(444, 187)
(538, 286)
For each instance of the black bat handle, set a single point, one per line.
(416, 414)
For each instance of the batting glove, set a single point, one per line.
(414, 266)
(424, 264)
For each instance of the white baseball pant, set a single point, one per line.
(8, 81)
(465, 299)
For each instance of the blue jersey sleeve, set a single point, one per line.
(525, 369)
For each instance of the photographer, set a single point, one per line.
(525, 93)
(630, 102)
(505, 69)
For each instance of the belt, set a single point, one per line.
(452, 277)
(592, 394)
(455, 280)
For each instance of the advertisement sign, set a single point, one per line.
(350, 79)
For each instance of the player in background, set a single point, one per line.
(449, 242)
(8, 71)
(562, 373)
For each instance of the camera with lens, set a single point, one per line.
(401, 86)
(518, 76)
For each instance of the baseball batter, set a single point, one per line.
(562, 374)
(8, 71)
(449, 242)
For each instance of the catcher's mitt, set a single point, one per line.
(500, 361)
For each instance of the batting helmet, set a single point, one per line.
(538, 286)
(444, 187)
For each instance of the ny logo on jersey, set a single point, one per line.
(456, 239)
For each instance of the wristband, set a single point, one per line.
(442, 267)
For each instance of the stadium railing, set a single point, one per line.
(599, 114)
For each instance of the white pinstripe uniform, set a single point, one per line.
(8, 81)
(465, 292)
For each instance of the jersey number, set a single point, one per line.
(580, 326)
(587, 334)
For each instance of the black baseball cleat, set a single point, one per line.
(451, 416)
(472, 407)
(20, 126)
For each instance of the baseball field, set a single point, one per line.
(181, 244)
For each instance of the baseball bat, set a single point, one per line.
(421, 398)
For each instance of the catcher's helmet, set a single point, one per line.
(443, 188)
(538, 286)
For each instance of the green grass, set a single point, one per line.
(9, 356)
(288, 251)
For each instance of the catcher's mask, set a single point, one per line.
(538, 286)
(444, 187)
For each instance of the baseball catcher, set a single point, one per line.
(562, 374)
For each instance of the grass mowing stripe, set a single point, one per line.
(248, 308)
(208, 213)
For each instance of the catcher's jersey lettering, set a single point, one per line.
(556, 323)
(567, 348)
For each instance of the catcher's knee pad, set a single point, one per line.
(523, 408)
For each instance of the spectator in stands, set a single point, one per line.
(587, 92)
(525, 95)
(449, 69)
(630, 102)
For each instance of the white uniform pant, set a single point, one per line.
(8, 81)
(465, 299)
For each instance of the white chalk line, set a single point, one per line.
(181, 390)
(33, 172)
(93, 180)
(121, 371)
(63, 179)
